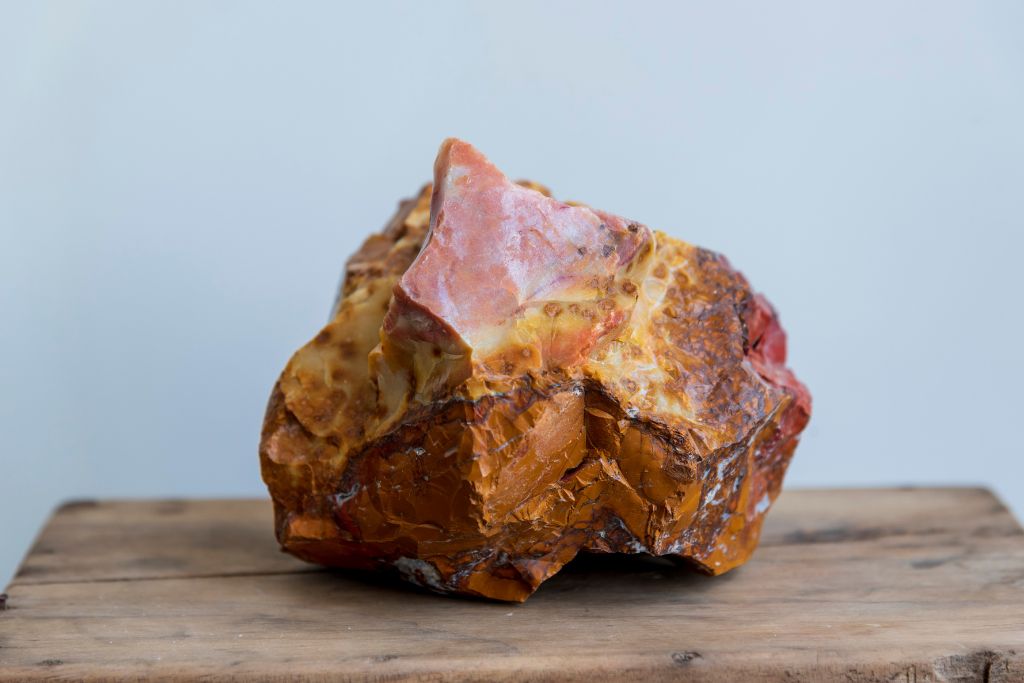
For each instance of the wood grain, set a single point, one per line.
(851, 585)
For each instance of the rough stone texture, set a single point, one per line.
(508, 380)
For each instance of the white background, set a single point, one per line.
(180, 185)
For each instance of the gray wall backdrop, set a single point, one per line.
(180, 185)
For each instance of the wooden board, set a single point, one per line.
(852, 585)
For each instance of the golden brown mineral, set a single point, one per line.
(508, 380)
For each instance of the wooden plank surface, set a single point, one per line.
(851, 585)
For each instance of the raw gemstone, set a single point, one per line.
(508, 380)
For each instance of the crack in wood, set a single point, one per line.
(171, 577)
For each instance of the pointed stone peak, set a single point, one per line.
(501, 258)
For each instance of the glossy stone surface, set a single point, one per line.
(508, 380)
